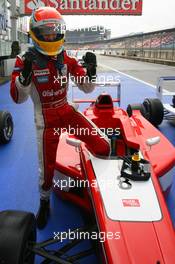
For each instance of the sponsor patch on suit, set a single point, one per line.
(42, 79)
(41, 72)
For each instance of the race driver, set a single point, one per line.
(39, 73)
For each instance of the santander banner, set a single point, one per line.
(86, 7)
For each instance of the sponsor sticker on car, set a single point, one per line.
(131, 202)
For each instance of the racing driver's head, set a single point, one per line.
(47, 30)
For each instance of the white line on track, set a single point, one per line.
(127, 75)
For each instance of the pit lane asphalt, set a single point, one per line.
(144, 71)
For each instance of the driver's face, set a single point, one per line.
(49, 37)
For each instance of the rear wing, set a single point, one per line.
(159, 88)
(169, 110)
(107, 85)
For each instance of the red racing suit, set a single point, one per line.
(52, 111)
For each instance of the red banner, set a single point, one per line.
(86, 7)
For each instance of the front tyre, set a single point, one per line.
(17, 231)
(6, 127)
(154, 110)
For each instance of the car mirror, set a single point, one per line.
(152, 141)
(73, 142)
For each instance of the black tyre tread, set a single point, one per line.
(4, 138)
(154, 110)
(16, 229)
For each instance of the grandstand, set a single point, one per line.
(157, 45)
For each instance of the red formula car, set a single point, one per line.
(122, 196)
(125, 192)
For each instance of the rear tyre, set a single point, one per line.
(6, 127)
(154, 110)
(17, 230)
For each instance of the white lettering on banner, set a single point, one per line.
(33, 5)
(63, 5)
(125, 4)
(48, 93)
(113, 5)
(134, 2)
(74, 4)
(89, 6)
(92, 5)
(103, 4)
(56, 3)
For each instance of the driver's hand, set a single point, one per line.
(90, 58)
(90, 62)
(26, 74)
